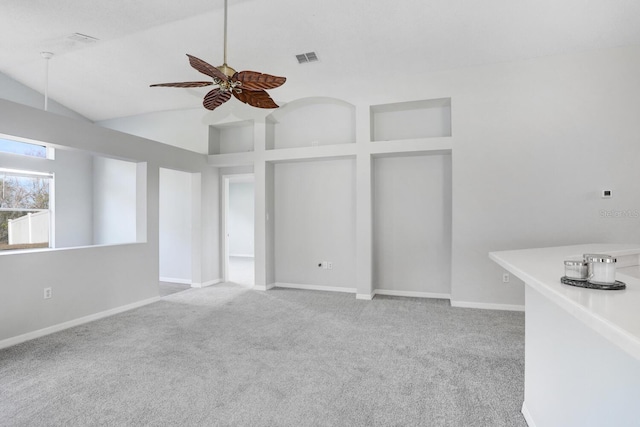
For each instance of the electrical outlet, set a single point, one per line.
(505, 278)
(330, 265)
(325, 265)
(47, 293)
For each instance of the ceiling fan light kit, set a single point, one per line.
(246, 86)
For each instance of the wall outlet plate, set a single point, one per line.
(47, 293)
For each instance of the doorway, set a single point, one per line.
(239, 198)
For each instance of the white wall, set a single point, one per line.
(231, 138)
(114, 201)
(315, 222)
(14, 91)
(73, 198)
(175, 226)
(412, 224)
(184, 128)
(94, 280)
(316, 121)
(534, 142)
(241, 219)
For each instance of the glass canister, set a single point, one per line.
(601, 269)
(575, 270)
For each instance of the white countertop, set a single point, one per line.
(613, 314)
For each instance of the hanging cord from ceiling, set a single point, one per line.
(47, 56)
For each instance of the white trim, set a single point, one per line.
(367, 297)
(76, 322)
(242, 255)
(527, 415)
(413, 294)
(174, 280)
(207, 283)
(487, 306)
(264, 287)
(314, 287)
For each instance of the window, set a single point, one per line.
(23, 148)
(25, 209)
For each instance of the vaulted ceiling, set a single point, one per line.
(143, 42)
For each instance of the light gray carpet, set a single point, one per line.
(168, 288)
(227, 355)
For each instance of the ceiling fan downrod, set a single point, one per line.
(226, 70)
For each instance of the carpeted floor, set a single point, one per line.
(230, 356)
(168, 288)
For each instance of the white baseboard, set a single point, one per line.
(367, 297)
(175, 280)
(71, 323)
(315, 287)
(242, 255)
(527, 415)
(205, 284)
(413, 294)
(263, 287)
(487, 306)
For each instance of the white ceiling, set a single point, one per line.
(145, 41)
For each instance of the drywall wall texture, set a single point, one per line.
(91, 280)
(534, 142)
(315, 222)
(73, 181)
(241, 219)
(412, 224)
(114, 201)
(191, 133)
(310, 122)
(12, 90)
(175, 226)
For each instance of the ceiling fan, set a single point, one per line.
(247, 86)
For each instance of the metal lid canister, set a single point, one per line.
(601, 269)
(575, 270)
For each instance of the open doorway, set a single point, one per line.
(239, 196)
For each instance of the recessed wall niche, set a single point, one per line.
(235, 137)
(411, 120)
(310, 122)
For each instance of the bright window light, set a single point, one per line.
(25, 209)
(22, 148)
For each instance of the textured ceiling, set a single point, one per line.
(145, 41)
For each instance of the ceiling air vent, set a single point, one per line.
(307, 57)
(82, 38)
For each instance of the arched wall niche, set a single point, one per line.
(309, 122)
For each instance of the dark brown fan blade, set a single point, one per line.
(183, 84)
(256, 98)
(215, 98)
(206, 68)
(252, 80)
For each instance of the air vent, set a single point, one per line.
(307, 57)
(82, 38)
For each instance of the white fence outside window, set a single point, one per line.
(31, 228)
